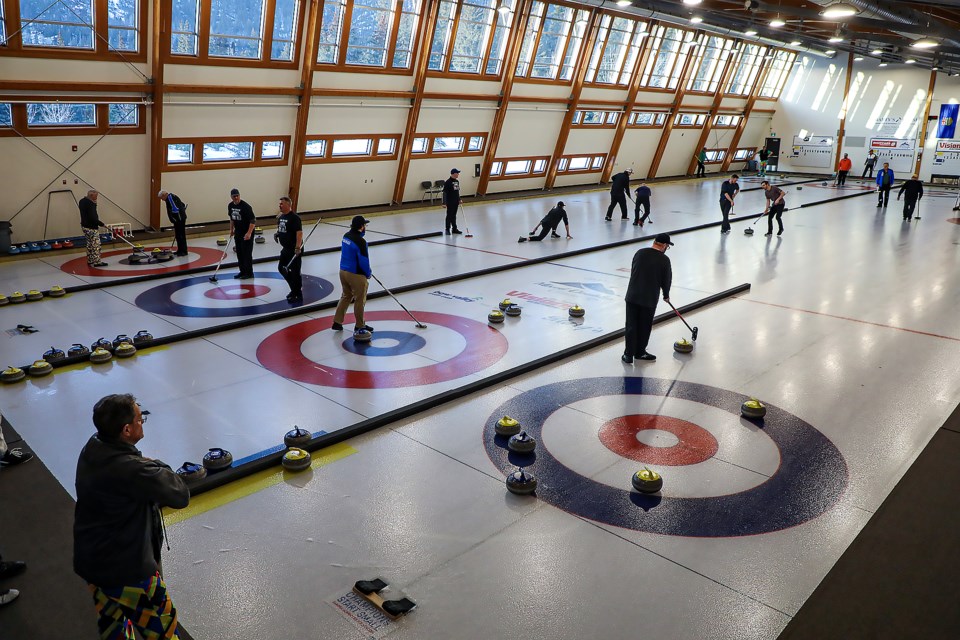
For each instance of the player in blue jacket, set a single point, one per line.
(354, 274)
(885, 178)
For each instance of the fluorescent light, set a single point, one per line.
(776, 23)
(504, 9)
(836, 38)
(925, 43)
(623, 3)
(882, 64)
(749, 32)
(909, 61)
(795, 43)
(696, 19)
(692, 2)
(876, 52)
(830, 51)
(858, 59)
(839, 10)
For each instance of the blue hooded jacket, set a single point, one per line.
(353, 254)
(883, 172)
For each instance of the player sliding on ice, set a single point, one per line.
(550, 222)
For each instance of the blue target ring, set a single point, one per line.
(160, 299)
(406, 343)
(810, 479)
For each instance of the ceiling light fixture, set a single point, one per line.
(503, 9)
(692, 2)
(696, 19)
(924, 43)
(795, 43)
(836, 37)
(749, 32)
(882, 64)
(839, 10)
(858, 59)
(876, 52)
(777, 22)
(830, 51)
(909, 61)
(623, 3)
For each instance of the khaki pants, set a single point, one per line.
(354, 290)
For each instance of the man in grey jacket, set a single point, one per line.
(649, 274)
(118, 526)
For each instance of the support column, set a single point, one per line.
(299, 142)
(427, 28)
(628, 108)
(671, 115)
(926, 118)
(714, 107)
(846, 105)
(159, 40)
(506, 89)
(593, 26)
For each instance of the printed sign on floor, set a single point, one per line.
(365, 617)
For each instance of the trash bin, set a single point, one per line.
(5, 228)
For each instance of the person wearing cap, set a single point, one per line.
(550, 223)
(619, 192)
(649, 275)
(242, 223)
(451, 200)
(775, 206)
(643, 194)
(728, 191)
(290, 237)
(177, 213)
(914, 190)
(90, 223)
(885, 178)
(354, 274)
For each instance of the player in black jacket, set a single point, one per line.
(914, 189)
(242, 223)
(177, 213)
(619, 191)
(290, 237)
(451, 200)
(649, 275)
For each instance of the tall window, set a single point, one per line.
(552, 41)
(61, 24)
(780, 67)
(672, 46)
(747, 68)
(712, 56)
(615, 50)
(471, 36)
(6, 116)
(238, 29)
(378, 33)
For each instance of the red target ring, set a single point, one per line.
(694, 443)
(199, 257)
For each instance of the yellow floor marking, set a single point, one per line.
(252, 484)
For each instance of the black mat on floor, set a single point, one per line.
(899, 578)
(36, 526)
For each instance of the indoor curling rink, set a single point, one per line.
(848, 334)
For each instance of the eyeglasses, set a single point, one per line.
(144, 414)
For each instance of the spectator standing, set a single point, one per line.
(90, 223)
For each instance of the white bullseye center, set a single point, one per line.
(657, 438)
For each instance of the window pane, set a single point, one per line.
(179, 153)
(597, 162)
(58, 114)
(578, 164)
(593, 117)
(539, 166)
(517, 166)
(223, 151)
(419, 145)
(562, 164)
(529, 39)
(316, 148)
(556, 30)
(236, 29)
(57, 25)
(386, 146)
(440, 44)
(122, 23)
(495, 168)
(406, 33)
(573, 49)
(442, 144)
(500, 33)
(183, 40)
(331, 24)
(124, 114)
(271, 149)
(352, 147)
(370, 25)
(284, 22)
(473, 33)
(476, 143)
(6, 119)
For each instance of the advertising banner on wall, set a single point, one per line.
(946, 160)
(898, 152)
(947, 126)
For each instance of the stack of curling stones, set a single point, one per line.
(217, 459)
(33, 294)
(296, 459)
(495, 316)
(297, 437)
(192, 472)
(124, 350)
(683, 346)
(753, 409)
(100, 355)
(647, 481)
(56, 291)
(12, 374)
(576, 311)
(17, 297)
(362, 335)
(504, 304)
(102, 343)
(521, 482)
(40, 368)
(77, 350)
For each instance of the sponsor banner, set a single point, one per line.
(947, 125)
(900, 144)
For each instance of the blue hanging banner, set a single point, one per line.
(948, 121)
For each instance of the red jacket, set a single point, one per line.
(846, 164)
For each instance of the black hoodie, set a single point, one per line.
(117, 522)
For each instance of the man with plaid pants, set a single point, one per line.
(118, 526)
(90, 223)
